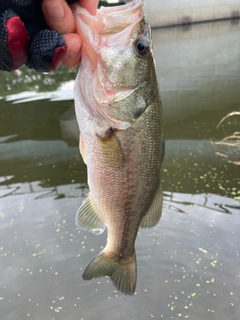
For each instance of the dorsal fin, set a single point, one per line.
(154, 213)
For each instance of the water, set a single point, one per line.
(188, 266)
(174, 12)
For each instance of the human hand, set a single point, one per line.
(25, 36)
(58, 16)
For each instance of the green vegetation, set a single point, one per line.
(26, 79)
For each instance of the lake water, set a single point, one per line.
(189, 264)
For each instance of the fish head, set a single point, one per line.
(124, 59)
(117, 63)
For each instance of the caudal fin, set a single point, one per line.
(123, 272)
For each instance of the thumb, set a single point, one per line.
(58, 16)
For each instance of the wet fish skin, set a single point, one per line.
(119, 112)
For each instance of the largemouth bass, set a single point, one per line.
(118, 108)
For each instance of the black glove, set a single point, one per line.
(25, 37)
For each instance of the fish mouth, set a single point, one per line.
(107, 21)
(131, 13)
(108, 15)
(110, 26)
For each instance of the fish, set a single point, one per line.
(119, 113)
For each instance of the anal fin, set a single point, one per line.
(155, 211)
(88, 219)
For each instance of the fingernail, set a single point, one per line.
(55, 12)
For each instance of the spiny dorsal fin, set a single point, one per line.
(88, 219)
(123, 272)
(154, 213)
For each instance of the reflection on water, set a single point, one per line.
(188, 266)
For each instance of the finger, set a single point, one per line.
(47, 57)
(58, 16)
(73, 54)
(90, 5)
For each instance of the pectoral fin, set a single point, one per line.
(82, 148)
(111, 149)
(88, 219)
(154, 213)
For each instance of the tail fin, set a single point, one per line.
(123, 272)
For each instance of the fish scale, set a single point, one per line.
(119, 113)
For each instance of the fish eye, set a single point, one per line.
(141, 46)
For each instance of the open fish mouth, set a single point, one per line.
(100, 34)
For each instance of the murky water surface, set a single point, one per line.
(189, 265)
